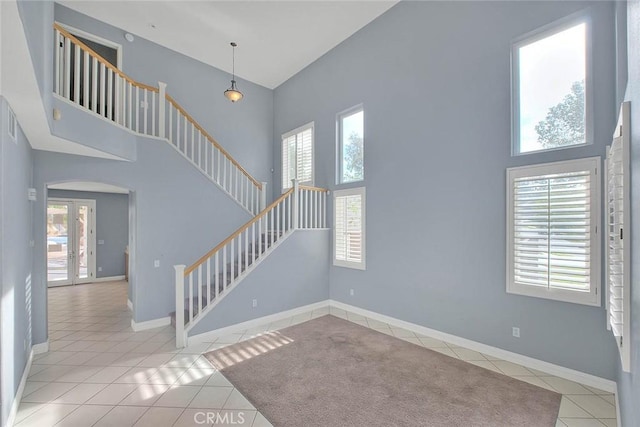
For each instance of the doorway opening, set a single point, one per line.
(71, 241)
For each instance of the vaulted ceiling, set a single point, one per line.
(276, 39)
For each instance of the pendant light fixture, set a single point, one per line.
(233, 94)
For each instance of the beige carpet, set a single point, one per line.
(329, 372)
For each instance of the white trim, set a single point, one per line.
(618, 413)
(526, 361)
(548, 30)
(150, 324)
(355, 191)
(254, 323)
(592, 297)
(129, 305)
(339, 147)
(23, 381)
(43, 347)
(301, 129)
(96, 39)
(108, 279)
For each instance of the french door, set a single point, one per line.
(71, 241)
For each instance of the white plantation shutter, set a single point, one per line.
(349, 228)
(618, 251)
(553, 216)
(297, 156)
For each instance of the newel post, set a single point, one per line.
(180, 336)
(263, 196)
(162, 98)
(295, 204)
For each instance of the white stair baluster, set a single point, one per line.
(190, 297)
(94, 85)
(208, 281)
(109, 94)
(67, 68)
(85, 79)
(76, 74)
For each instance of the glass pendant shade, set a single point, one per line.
(233, 94)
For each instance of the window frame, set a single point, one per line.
(536, 35)
(361, 191)
(298, 130)
(339, 147)
(591, 298)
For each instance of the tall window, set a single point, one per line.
(551, 88)
(349, 228)
(553, 212)
(297, 156)
(351, 146)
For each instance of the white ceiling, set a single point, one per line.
(276, 39)
(94, 187)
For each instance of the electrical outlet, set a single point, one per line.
(156, 263)
(255, 303)
(101, 242)
(516, 332)
(351, 292)
(99, 268)
(32, 243)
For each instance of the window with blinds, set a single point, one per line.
(618, 271)
(349, 228)
(297, 156)
(553, 244)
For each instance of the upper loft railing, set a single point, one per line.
(89, 81)
(201, 286)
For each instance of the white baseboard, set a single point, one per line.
(150, 324)
(43, 347)
(211, 335)
(108, 279)
(528, 362)
(129, 305)
(23, 381)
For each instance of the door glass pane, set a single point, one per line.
(82, 255)
(57, 244)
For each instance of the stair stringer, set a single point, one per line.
(244, 274)
(298, 275)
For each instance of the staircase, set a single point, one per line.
(87, 80)
(201, 286)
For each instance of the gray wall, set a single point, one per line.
(629, 383)
(179, 215)
(294, 275)
(16, 254)
(37, 20)
(112, 227)
(436, 151)
(244, 129)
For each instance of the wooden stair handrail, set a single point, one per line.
(235, 234)
(213, 141)
(103, 61)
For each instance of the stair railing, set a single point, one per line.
(89, 81)
(201, 286)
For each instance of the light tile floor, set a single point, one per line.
(99, 372)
